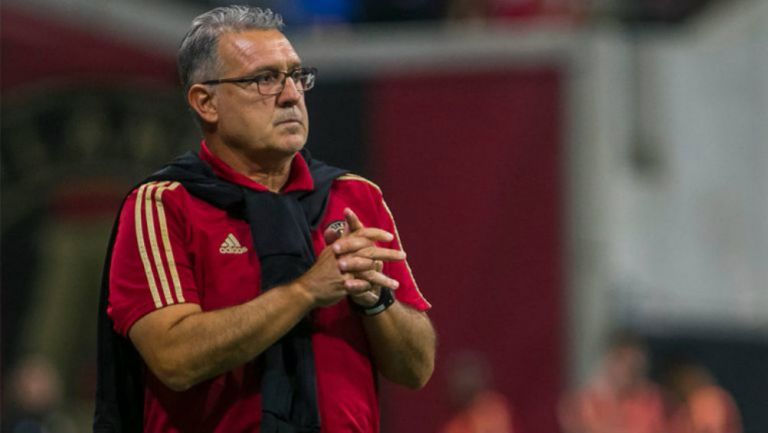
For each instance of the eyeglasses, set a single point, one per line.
(270, 83)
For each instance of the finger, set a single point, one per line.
(378, 279)
(356, 263)
(367, 298)
(379, 253)
(357, 285)
(361, 239)
(352, 220)
(351, 264)
(374, 234)
(332, 235)
(350, 244)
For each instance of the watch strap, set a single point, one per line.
(386, 299)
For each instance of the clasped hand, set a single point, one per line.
(351, 265)
(362, 260)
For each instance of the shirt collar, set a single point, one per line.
(300, 178)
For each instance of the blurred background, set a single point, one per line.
(562, 172)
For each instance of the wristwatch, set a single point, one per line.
(386, 299)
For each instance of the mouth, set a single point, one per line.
(288, 121)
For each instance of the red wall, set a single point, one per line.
(470, 165)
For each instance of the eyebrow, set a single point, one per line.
(291, 66)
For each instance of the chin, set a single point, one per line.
(283, 150)
(294, 143)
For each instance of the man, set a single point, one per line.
(697, 403)
(477, 406)
(619, 397)
(255, 282)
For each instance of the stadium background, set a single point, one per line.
(558, 170)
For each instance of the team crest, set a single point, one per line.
(338, 227)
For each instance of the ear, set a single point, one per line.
(202, 99)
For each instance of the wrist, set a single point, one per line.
(385, 300)
(301, 292)
(366, 299)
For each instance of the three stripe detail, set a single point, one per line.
(158, 254)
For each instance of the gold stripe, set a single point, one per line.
(151, 234)
(143, 249)
(397, 235)
(167, 240)
(358, 178)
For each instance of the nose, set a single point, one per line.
(290, 94)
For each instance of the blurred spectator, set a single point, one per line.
(619, 398)
(665, 11)
(318, 12)
(468, 11)
(306, 12)
(527, 9)
(402, 10)
(699, 404)
(33, 403)
(514, 10)
(477, 408)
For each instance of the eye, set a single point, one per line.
(266, 78)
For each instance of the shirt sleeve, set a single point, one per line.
(408, 292)
(150, 267)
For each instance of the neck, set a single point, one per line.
(272, 171)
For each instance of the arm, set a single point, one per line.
(183, 345)
(403, 343)
(402, 339)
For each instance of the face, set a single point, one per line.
(626, 365)
(258, 126)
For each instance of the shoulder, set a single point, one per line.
(158, 191)
(157, 196)
(354, 183)
(157, 188)
(360, 194)
(357, 180)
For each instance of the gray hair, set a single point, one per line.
(198, 55)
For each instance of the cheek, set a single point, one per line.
(245, 123)
(252, 116)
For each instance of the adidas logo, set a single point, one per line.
(232, 246)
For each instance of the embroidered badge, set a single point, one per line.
(338, 227)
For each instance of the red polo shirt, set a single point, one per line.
(172, 247)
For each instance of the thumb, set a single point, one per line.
(331, 236)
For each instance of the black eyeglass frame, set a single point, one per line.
(253, 79)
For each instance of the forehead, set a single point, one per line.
(250, 50)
